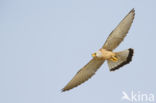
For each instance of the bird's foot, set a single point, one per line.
(114, 59)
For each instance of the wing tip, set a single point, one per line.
(66, 88)
(63, 90)
(132, 11)
(129, 58)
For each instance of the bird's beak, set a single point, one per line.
(94, 54)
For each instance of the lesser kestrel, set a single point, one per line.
(115, 59)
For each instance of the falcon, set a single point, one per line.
(115, 60)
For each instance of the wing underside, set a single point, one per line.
(84, 74)
(118, 34)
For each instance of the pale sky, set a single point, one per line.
(43, 43)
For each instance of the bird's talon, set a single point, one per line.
(114, 59)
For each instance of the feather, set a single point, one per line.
(124, 57)
(118, 34)
(84, 74)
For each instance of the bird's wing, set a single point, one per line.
(84, 74)
(118, 34)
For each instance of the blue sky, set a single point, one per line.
(43, 43)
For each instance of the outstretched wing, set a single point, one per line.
(84, 74)
(118, 34)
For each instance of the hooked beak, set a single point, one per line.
(94, 54)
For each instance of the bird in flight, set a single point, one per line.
(115, 60)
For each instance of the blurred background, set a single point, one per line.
(43, 43)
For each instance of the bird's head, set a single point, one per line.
(97, 54)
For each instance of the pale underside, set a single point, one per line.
(114, 39)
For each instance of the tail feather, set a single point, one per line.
(124, 57)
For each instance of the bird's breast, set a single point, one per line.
(107, 54)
